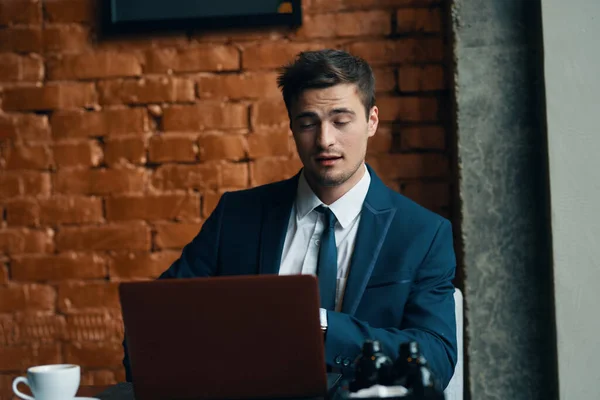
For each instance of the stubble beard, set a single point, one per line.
(332, 180)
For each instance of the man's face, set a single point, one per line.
(331, 132)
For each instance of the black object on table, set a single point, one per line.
(124, 391)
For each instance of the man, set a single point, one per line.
(384, 264)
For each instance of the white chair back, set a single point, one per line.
(455, 389)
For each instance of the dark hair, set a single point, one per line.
(323, 69)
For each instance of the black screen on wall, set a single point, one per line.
(147, 15)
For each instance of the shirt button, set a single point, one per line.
(318, 242)
(346, 362)
(338, 360)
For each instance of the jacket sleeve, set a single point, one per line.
(429, 317)
(199, 258)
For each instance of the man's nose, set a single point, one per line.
(326, 135)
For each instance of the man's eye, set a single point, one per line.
(307, 125)
(341, 123)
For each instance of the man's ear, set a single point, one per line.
(373, 120)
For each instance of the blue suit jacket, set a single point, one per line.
(399, 286)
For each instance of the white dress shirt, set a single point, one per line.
(302, 240)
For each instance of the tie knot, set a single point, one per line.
(330, 218)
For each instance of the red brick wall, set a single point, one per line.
(112, 153)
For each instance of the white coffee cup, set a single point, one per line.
(50, 382)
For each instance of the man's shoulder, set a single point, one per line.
(410, 211)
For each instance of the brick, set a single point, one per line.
(270, 144)
(222, 147)
(427, 20)
(30, 297)
(410, 50)
(10, 184)
(381, 142)
(17, 68)
(385, 80)
(49, 97)
(70, 210)
(421, 78)
(21, 39)
(316, 26)
(420, 50)
(19, 358)
(9, 334)
(29, 157)
(166, 206)
(77, 153)
(267, 170)
(409, 109)
(21, 240)
(120, 150)
(24, 183)
(269, 113)
(27, 127)
(97, 326)
(363, 23)
(173, 147)
(34, 183)
(238, 86)
(70, 10)
(138, 265)
(103, 377)
(423, 137)
(199, 176)
(143, 43)
(3, 274)
(94, 65)
(432, 195)
(94, 355)
(193, 59)
(23, 211)
(175, 235)
(146, 90)
(377, 53)
(59, 267)
(360, 4)
(126, 236)
(20, 12)
(66, 39)
(210, 199)
(100, 181)
(205, 115)
(234, 175)
(412, 166)
(87, 296)
(319, 6)
(110, 122)
(238, 35)
(267, 55)
(39, 328)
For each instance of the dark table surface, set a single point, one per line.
(124, 391)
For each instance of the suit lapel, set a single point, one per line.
(277, 212)
(376, 217)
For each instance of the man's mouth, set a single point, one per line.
(327, 159)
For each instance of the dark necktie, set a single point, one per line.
(327, 264)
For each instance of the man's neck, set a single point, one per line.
(330, 194)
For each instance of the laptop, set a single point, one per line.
(225, 338)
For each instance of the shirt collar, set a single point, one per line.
(345, 209)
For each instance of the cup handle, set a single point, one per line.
(21, 379)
